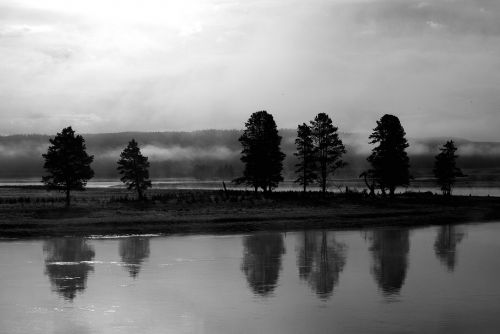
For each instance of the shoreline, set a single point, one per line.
(114, 212)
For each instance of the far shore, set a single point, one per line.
(34, 213)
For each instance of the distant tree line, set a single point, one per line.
(319, 151)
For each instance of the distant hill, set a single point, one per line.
(209, 154)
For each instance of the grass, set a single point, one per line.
(34, 212)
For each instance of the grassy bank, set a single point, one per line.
(33, 212)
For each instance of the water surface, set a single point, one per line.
(428, 280)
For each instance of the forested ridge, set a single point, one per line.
(215, 154)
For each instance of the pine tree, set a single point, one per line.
(261, 153)
(328, 147)
(306, 156)
(67, 163)
(445, 169)
(134, 168)
(389, 160)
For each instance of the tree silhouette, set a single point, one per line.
(306, 155)
(321, 259)
(445, 169)
(389, 160)
(67, 266)
(390, 259)
(370, 181)
(445, 246)
(133, 251)
(328, 146)
(261, 153)
(134, 168)
(67, 163)
(262, 261)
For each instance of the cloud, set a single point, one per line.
(435, 25)
(184, 65)
(16, 30)
(179, 153)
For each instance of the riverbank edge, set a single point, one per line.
(281, 213)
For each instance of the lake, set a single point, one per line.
(463, 187)
(441, 279)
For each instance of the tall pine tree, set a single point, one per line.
(445, 168)
(306, 167)
(328, 146)
(134, 168)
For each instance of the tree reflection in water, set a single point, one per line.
(390, 249)
(445, 246)
(262, 261)
(134, 251)
(66, 265)
(321, 259)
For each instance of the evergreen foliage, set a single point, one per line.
(328, 147)
(133, 167)
(261, 153)
(445, 169)
(389, 160)
(306, 168)
(67, 163)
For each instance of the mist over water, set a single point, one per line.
(215, 154)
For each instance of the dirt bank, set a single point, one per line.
(28, 212)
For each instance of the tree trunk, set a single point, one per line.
(68, 197)
(304, 177)
(323, 178)
(391, 191)
(371, 187)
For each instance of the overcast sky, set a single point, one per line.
(153, 65)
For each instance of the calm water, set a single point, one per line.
(427, 280)
(462, 187)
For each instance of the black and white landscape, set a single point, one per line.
(249, 166)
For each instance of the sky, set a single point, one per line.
(160, 65)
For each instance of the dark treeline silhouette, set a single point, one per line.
(320, 260)
(261, 262)
(445, 246)
(319, 151)
(65, 265)
(390, 248)
(133, 252)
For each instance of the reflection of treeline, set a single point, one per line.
(390, 258)
(68, 262)
(321, 259)
(262, 261)
(67, 266)
(20, 154)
